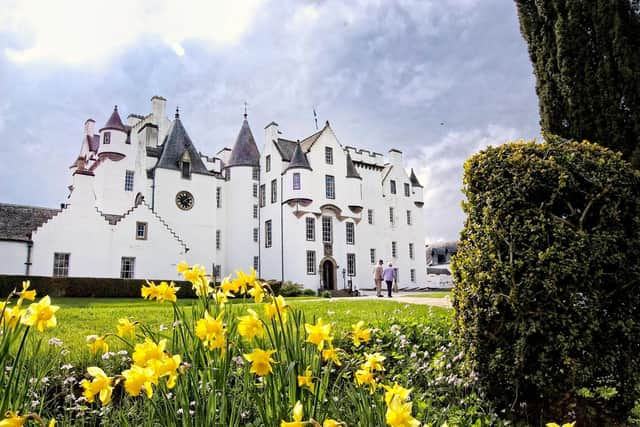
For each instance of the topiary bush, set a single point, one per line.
(547, 280)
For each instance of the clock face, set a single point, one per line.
(184, 200)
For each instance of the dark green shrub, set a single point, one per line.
(309, 293)
(325, 294)
(290, 289)
(547, 279)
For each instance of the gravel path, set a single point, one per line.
(409, 298)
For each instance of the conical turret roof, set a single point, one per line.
(174, 147)
(414, 179)
(298, 159)
(245, 151)
(352, 172)
(114, 122)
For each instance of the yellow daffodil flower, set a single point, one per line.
(563, 425)
(126, 327)
(277, 306)
(168, 367)
(373, 362)
(41, 314)
(211, 331)
(360, 335)
(138, 377)
(399, 414)
(161, 293)
(12, 315)
(396, 391)
(97, 344)
(331, 423)
(318, 333)
(12, 419)
(330, 354)
(148, 351)
(26, 294)
(182, 267)
(297, 417)
(306, 380)
(257, 292)
(101, 384)
(260, 361)
(250, 325)
(365, 377)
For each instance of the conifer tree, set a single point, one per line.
(586, 58)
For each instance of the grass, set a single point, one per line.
(435, 294)
(80, 317)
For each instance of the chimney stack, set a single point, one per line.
(89, 127)
(158, 106)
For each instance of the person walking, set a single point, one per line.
(377, 277)
(388, 275)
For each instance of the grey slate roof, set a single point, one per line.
(298, 159)
(173, 148)
(114, 121)
(94, 142)
(352, 172)
(285, 148)
(18, 222)
(245, 151)
(414, 179)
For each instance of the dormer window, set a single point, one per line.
(296, 181)
(185, 165)
(106, 138)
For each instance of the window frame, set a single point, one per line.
(218, 239)
(394, 249)
(256, 262)
(129, 180)
(330, 187)
(255, 173)
(392, 186)
(412, 275)
(411, 251)
(409, 217)
(351, 264)
(391, 216)
(310, 229)
(407, 190)
(327, 229)
(262, 199)
(267, 163)
(255, 190)
(274, 190)
(218, 197)
(255, 211)
(311, 262)
(350, 230)
(61, 261)
(256, 234)
(268, 234)
(296, 181)
(370, 216)
(106, 138)
(128, 273)
(144, 228)
(372, 256)
(328, 155)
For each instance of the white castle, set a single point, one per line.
(143, 198)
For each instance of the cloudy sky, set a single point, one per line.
(437, 79)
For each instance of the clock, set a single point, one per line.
(184, 200)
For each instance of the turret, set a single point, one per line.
(113, 135)
(297, 179)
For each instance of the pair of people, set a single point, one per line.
(380, 273)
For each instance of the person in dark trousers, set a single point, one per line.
(388, 275)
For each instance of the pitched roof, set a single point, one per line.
(298, 159)
(114, 121)
(308, 142)
(352, 172)
(18, 222)
(94, 142)
(174, 146)
(414, 179)
(285, 148)
(245, 151)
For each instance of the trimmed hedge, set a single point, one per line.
(547, 280)
(84, 287)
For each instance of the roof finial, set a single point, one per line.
(177, 112)
(115, 107)
(245, 110)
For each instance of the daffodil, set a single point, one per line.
(260, 361)
(331, 423)
(306, 380)
(161, 293)
(138, 377)
(360, 335)
(168, 367)
(373, 362)
(563, 425)
(182, 266)
(11, 315)
(211, 331)
(396, 391)
(277, 306)
(12, 419)
(126, 327)
(41, 314)
(97, 344)
(250, 325)
(145, 353)
(330, 354)
(399, 414)
(25, 294)
(318, 333)
(101, 384)
(229, 286)
(365, 377)
(257, 292)
(297, 415)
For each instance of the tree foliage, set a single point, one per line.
(547, 293)
(586, 58)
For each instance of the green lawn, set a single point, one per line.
(80, 317)
(435, 294)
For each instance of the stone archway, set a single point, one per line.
(328, 268)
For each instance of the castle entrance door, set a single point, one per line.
(328, 267)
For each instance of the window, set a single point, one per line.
(267, 165)
(394, 249)
(311, 262)
(141, 230)
(330, 186)
(106, 138)
(351, 233)
(60, 264)
(370, 216)
(408, 217)
(296, 181)
(411, 250)
(327, 232)
(256, 263)
(263, 197)
(328, 155)
(255, 173)
(372, 255)
(407, 190)
(267, 234)
(127, 266)
(255, 211)
(218, 197)
(186, 169)
(391, 215)
(351, 264)
(128, 181)
(413, 274)
(255, 190)
(218, 239)
(393, 187)
(274, 191)
(311, 228)
(255, 234)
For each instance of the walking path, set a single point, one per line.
(407, 298)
